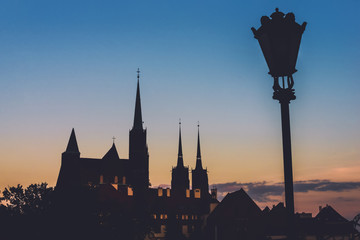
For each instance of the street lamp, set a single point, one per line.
(279, 37)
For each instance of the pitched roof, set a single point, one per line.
(329, 214)
(112, 154)
(236, 205)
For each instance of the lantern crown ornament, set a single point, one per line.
(279, 37)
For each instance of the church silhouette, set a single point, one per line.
(129, 179)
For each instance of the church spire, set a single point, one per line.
(180, 162)
(198, 155)
(72, 146)
(137, 117)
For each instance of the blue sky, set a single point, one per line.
(71, 64)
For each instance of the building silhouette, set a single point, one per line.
(239, 217)
(128, 180)
(179, 212)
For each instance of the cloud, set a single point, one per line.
(346, 199)
(267, 191)
(324, 185)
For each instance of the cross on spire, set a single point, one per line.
(138, 74)
(113, 138)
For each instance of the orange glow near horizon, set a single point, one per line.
(39, 161)
(243, 164)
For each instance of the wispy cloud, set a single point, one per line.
(265, 191)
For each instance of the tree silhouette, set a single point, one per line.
(39, 212)
(35, 199)
(24, 213)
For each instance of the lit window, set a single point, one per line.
(130, 191)
(160, 192)
(165, 216)
(101, 179)
(187, 193)
(197, 193)
(154, 216)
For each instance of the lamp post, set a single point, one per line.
(279, 37)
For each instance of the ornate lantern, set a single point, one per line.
(279, 39)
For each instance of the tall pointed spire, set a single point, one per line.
(137, 117)
(198, 155)
(180, 162)
(72, 146)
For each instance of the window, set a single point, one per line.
(101, 179)
(130, 191)
(197, 193)
(160, 192)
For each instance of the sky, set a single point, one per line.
(72, 64)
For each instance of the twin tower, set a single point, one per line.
(180, 173)
(132, 172)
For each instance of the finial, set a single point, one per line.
(276, 9)
(198, 124)
(113, 138)
(179, 121)
(138, 74)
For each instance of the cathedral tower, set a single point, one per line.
(138, 149)
(199, 175)
(180, 173)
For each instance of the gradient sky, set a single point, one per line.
(68, 64)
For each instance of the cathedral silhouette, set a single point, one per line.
(129, 178)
